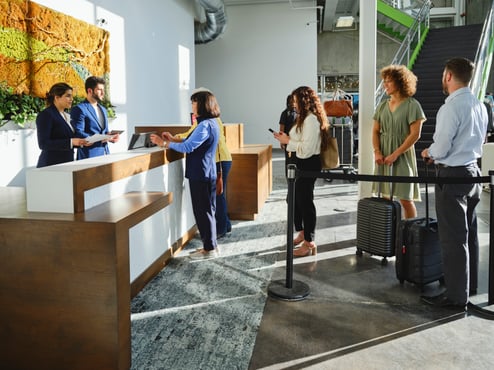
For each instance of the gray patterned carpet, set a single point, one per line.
(200, 314)
(206, 314)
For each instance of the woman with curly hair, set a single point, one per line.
(397, 125)
(304, 138)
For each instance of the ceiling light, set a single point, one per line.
(344, 22)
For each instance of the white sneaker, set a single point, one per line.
(202, 254)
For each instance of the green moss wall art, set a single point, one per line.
(39, 47)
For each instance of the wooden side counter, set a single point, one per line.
(64, 280)
(251, 179)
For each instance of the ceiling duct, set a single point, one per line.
(215, 23)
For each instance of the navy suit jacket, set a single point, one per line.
(54, 137)
(85, 122)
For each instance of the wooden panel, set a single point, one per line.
(90, 178)
(64, 282)
(250, 181)
(234, 135)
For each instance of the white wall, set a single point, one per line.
(266, 51)
(151, 61)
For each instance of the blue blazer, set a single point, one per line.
(85, 122)
(54, 137)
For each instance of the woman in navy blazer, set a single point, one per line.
(55, 133)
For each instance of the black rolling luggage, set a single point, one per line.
(418, 253)
(377, 223)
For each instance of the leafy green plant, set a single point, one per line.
(23, 108)
(19, 108)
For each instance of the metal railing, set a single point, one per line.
(483, 57)
(410, 47)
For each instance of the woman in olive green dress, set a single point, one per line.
(397, 126)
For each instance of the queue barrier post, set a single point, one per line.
(289, 289)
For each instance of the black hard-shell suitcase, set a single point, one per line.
(418, 252)
(377, 223)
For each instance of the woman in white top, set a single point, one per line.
(305, 140)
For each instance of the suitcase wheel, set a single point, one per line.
(359, 252)
(402, 281)
(384, 261)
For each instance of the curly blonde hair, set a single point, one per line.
(405, 80)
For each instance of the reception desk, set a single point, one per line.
(65, 282)
(251, 177)
(67, 275)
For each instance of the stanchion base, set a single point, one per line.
(277, 289)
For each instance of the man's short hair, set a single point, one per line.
(92, 82)
(461, 68)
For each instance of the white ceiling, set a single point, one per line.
(328, 13)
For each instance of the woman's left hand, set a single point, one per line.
(390, 159)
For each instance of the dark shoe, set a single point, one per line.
(472, 292)
(443, 301)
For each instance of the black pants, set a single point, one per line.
(305, 210)
(457, 225)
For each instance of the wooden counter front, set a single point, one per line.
(250, 181)
(64, 282)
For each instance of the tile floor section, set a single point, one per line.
(216, 314)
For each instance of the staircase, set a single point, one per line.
(393, 22)
(440, 45)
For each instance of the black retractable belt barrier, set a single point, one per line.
(293, 290)
(289, 290)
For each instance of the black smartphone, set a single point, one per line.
(271, 130)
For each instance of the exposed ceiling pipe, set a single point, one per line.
(215, 23)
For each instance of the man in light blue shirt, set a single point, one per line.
(461, 125)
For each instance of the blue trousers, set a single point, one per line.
(203, 195)
(223, 224)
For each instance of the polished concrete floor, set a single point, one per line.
(357, 315)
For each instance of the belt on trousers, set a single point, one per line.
(441, 165)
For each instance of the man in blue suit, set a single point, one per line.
(90, 117)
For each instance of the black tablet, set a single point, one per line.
(141, 140)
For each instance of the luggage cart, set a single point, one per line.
(342, 129)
